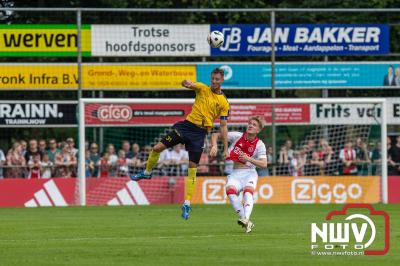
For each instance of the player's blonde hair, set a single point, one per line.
(259, 119)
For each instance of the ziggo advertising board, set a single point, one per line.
(209, 190)
(327, 189)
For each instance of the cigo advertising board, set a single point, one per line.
(281, 189)
(167, 114)
(286, 114)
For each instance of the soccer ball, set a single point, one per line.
(215, 39)
(123, 170)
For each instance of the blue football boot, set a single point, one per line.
(186, 209)
(140, 175)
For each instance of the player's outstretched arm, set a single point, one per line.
(189, 84)
(224, 136)
(214, 144)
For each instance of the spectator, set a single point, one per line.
(303, 154)
(136, 162)
(47, 166)
(74, 153)
(32, 150)
(2, 163)
(135, 150)
(310, 148)
(34, 166)
(394, 158)
(376, 159)
(283, 161)
(173, 162)
(283, 155)
(123, 163)
(65, 161)
(325, 152)
(94, 158)
(112, 160)
(289, 149)
(262, 171)
(163, 163)
(267, 171)
(358, 144)
(86, 145)
(348, 157)
(315, 166)
(42, 146)
(24, 145)
(16, 161)
(362, 157)
(327, 155)
(142, 156)
(89, 165)
(270, 155)
(104, 165)
(53, 150)
(126, 147)
(72, 148)
(179, 160)
(203, 168)
(296, 164)
(215, 166)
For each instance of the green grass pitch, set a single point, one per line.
(156, 235)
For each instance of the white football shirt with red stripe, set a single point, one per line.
(240, 144)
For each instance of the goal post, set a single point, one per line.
(294, 112)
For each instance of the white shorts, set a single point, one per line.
(241, 178)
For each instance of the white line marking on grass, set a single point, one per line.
(141, 237)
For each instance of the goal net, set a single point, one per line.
(329, 137)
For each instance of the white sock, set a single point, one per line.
(146, 173)
(237, 205)
(248, 204)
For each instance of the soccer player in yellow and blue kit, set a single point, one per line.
(210, 103)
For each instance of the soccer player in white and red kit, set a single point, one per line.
(247, 152)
